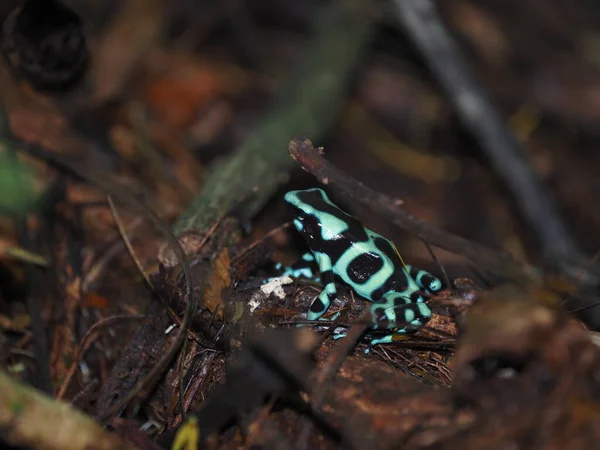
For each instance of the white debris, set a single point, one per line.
(275, 286)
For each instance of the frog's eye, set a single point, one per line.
(425, 280)
(431, 283)
(435, 285)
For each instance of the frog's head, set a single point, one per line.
(305, 205)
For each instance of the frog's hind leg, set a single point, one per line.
(426, 281)
(393, 336)
(396, 311)
(398, 314)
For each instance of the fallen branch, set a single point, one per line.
(500, 264)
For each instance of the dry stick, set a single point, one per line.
(307, 104)
(505, 155)
(130, 249)
(310, 159)
(34, 305)
(438, 262)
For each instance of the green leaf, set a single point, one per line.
(17, 193)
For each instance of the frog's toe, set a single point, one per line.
(382, 340)
(339, 335)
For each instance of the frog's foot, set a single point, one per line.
(341, 335)
(395, 336)
(426, 281)
(321, 304)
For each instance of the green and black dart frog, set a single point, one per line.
(364, 260)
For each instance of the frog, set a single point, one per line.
(365, 261)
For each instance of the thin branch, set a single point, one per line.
(502, 264)
(130, 249)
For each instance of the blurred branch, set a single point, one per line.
(35, 283)
(500, 264)
(306, 105)
(31, 420)
(505, 155)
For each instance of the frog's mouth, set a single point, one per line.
(298, 217)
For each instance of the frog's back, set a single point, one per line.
(362, 258)
(373, 267)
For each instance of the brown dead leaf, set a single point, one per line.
(219, 280)
(179, 95)
(94, 300)
(133, 32)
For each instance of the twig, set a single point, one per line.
(506, 156)
(22, 255)
(307, 104)
(127, 242)
(87, 341)
(438, 262)
(34, 306)
(310, 159)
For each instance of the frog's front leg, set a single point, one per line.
(321, 304)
